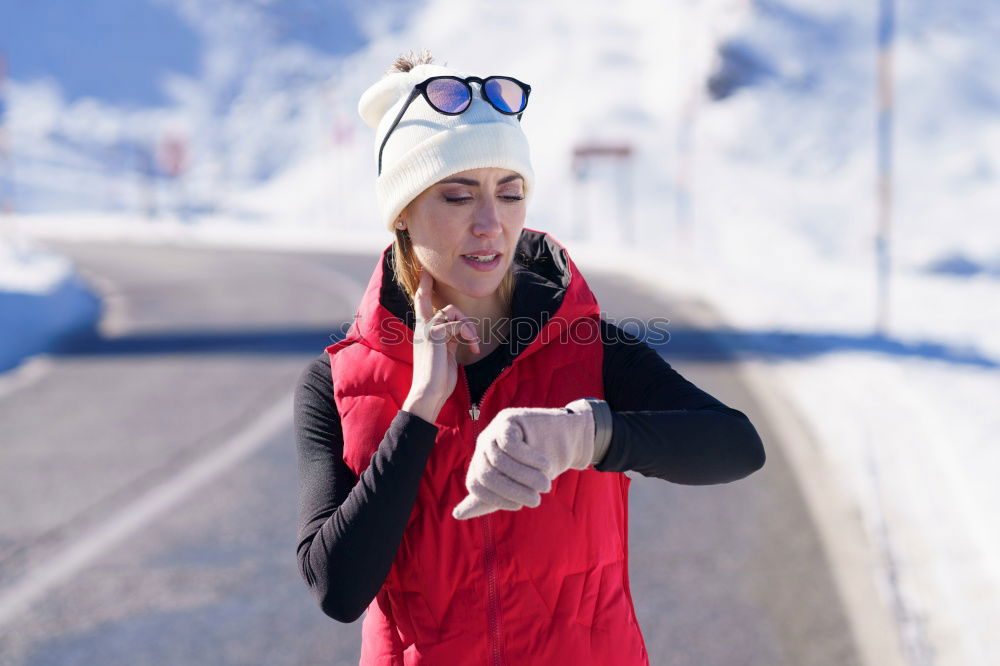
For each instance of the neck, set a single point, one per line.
(484, 311)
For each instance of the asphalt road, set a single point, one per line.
(148, 484)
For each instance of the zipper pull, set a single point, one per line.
(474, 412)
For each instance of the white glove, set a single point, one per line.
(520, 452)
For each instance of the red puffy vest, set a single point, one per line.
(545, 585)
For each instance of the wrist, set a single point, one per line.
(426, 409)
(603, 424)
(600, 411)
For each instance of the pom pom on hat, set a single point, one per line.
(427, 146)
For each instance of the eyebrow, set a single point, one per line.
(475, 183)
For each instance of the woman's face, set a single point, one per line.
(480, 212)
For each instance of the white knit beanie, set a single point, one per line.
(427, 146)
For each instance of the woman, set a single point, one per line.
(462, 449)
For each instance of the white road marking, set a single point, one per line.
(72, 559)
(78, 555)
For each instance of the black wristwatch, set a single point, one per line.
(602, 424)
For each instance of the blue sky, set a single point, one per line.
(119, 50)
(114, 50)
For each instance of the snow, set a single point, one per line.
(752, 186)
(42, 301)
(30, 270)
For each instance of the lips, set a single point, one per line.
(480, 255)
(479, 264)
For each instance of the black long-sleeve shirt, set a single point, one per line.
(350, 528)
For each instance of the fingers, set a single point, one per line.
(526, 475)
(509, 437)
(480, 501)
(445, 323)
(422, 306)
(472, 507)
(454, 329)
(492, 482)
(448, 322)
(505, 472)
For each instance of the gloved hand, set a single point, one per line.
(518, 455)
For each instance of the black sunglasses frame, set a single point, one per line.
(421, 89)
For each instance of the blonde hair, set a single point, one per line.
(406, 268)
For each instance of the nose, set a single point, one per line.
(487, 218)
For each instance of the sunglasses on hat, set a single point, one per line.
(452, 95)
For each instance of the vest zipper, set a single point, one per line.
(489, 555)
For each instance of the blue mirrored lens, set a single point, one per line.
(448, 95)
(505, 94)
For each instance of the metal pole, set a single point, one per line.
(625, 207)
(886, 37)
(684, 177)
(580, 191)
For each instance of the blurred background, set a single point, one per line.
(809, 190)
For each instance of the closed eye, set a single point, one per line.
(505, 197)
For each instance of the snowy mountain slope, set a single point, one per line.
(242, 87)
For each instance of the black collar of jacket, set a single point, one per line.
(541, 277)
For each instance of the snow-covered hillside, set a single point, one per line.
(753, 129)
(167, 105)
